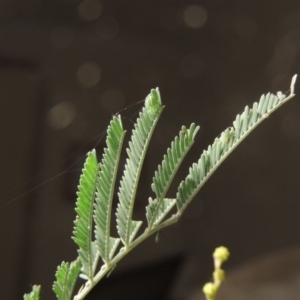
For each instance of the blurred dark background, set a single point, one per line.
(66, 66)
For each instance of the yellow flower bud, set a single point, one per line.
(221, 253)
(210, 290)
(219, 275)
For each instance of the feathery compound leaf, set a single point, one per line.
(216, 153)
(141, 135)
(84, 208)
(166, 172)
(175, 155)
(35, 293)
(155, 212)
(105, 190)
(66, 276)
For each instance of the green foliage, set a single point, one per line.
(83, 224)
(97, 185)
(35, 293)
(66, 276)
(224, 145)
(159, 208)
(141, 136)
(107, 245)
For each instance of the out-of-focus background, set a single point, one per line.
(67, 66)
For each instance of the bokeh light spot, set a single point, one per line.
(195, 16)
(89, 74)
(61, 115)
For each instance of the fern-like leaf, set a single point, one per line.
(34, 294)
(105, 190)
(166, 172)
(216, 153)
(84, 207)
(198, 173)
(156, 211)
(141, 135)
(66, 276)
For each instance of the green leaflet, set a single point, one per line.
(166, 172)
(141, 136)
(156, 211)
(153, 101)
(34, 294)
(84, 208)
(217, 152)
(66, 276)
(105, 190)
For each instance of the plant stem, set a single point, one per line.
(123, 251)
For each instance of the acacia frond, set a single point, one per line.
(143, 129)
(158, 208)
(84, 207)
(156, 211)
(66, 276)
(105, 190)
(216, 153)
(166, 172)
(34, 294)
(171, 162)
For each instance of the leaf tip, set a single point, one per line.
(293, 82)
